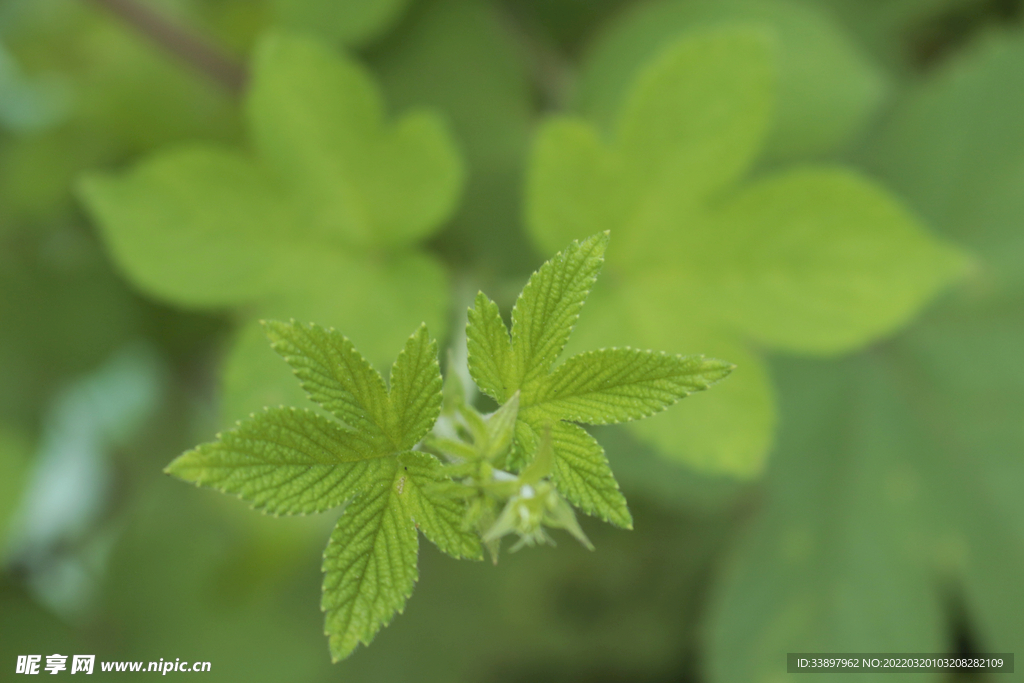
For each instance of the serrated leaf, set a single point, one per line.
(549, 305)
(333, 373)
(317, 121)
(619, 385)
(816, 260)
(284, 461)
(438, 515)
(581, 472)
(490, 350)
(369, 565)
(395, 297)
(414, 400)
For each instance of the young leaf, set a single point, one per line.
(490, 350)
(415, 397)
(549, 305)
(369, 565)
(581, 472)
(283, 461)
(437, 515)
(611, 385)
(619, 385)
(334, 373)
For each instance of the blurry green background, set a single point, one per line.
(865, 496)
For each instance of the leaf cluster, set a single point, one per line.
(467, 479)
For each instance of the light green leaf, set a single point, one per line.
(334, 374)
(437, 515)
(691, 124)
(284, 461)
(582, 475)
(203, 227)
(826, 86)
(317, 121)
(199, 227)
(415, 398)
(815, 260)
(500, 429)
(353, 22)
(793, 273)
(490, 350)
(369, 564)
(548, 307)
(619, 385)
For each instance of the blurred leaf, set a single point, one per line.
(839, 560)
(814, 260)
(299, 234)
(890, 502)
(350, 22)
(826, 87)
(458, 56)
(316, 121)
(954, 147)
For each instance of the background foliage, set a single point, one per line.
(828, 193)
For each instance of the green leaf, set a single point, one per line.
(199, 227)
(826, 87)
(415, 398)
(548, 307)
(334, 374)
(284, 461)
(954, 147)
(437, 515)
(605, 386)
(490, 350)
(582, 475)
(369, 564)
(815, 260)
(353, 22)
(795, 274)
(500, 429)
(619, 385)
(317, 121)
(394, 296)
(285, 232)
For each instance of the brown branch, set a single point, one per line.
(193, 50)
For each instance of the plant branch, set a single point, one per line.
(191, 49)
